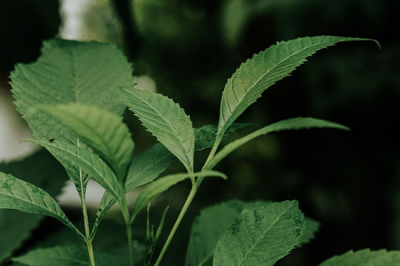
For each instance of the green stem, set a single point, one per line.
(212, 152)
(128, 227)
(130, 243)
(90, 251)
(185, 207)
(88, 238)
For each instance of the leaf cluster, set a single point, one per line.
(73, 98)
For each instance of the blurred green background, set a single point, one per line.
(350, 182)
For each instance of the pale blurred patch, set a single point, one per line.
(12, 131)
(145, 82)
(90, 20)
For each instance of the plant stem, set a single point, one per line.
(88, 239)
(130, 242)
(90, 251)
(212, 152)
(128, 227)
(185, 207)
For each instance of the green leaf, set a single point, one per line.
(261, 235)
(263, 70)
(160, 185)
(102, 130)
(90, 163)
(67, 72)
(205, 135)
(208, 228)
(42, 170)
(287, 124)
(19, 195)
(65, 256)
(311, 227)
(147, 166)
(166, 120)
(365, 257)
(213, 221)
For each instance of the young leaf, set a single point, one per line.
(89, 162)
(208, 228)
(102, 130)
(261, 235)
(166, 120)
(66, 72)
(263, 70)
(160, 185)
(287, 124)
(364, 257)
(65, 256)
(22, 196)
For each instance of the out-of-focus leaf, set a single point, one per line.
(366, 257)
(66, 256)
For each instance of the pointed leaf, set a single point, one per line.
(23, 196)
(65, 256)
(89, 162)
(166, 120)
(102, 130)
(263, 70)
(160, 185)
(287, 124)
(261, 235)
(365, 257)
(66, 72)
